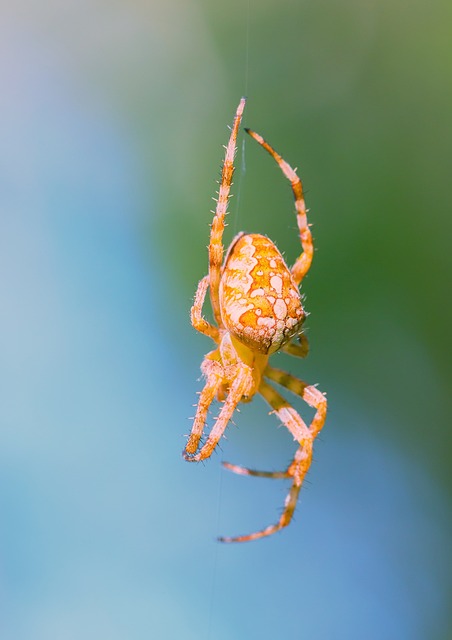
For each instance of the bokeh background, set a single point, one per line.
(112, 119)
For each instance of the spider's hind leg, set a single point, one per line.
(216, 233)
(302, 264)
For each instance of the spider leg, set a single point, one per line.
(216, 233)
(305, 436)
(237, 390)
(213, 371)
(244, 471)
(301, 266)
(298, 348)
(310, 394)
(197, 319)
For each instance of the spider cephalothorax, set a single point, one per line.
(258, 311)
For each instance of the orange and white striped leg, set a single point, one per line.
(310, 394)
(301, 266)
(237, 390)
(301, 462)
(214, 373)
(197, 319)
(216, 233)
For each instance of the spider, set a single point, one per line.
(258, 310)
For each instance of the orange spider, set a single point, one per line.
(257, 308)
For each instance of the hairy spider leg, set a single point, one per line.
(300, 349)
(304, 435)
(213, 372)
(237, 390)
(197, 319)
(216, 232)
(308, 392)
(302, 264)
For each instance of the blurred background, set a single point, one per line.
(113, 117)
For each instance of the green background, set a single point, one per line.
(113, 117)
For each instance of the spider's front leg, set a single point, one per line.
(305, 436)
(308, 392)
(230, 379)
(214, 373)
(215, 378)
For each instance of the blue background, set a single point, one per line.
(112, 121)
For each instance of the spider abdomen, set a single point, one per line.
(259, 300)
